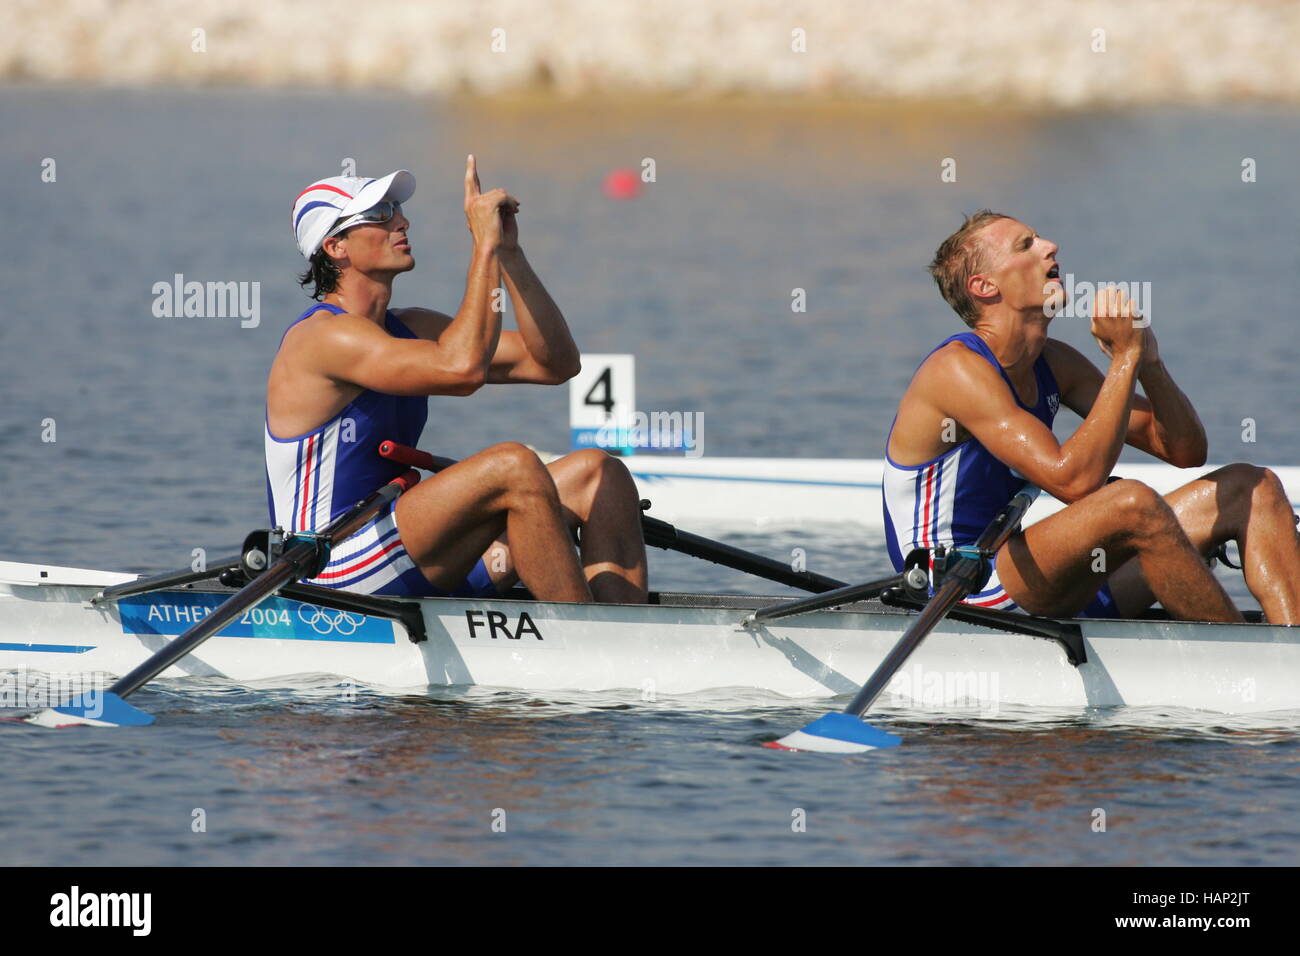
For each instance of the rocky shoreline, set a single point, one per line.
(1043, 53)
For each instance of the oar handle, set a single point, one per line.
(405, 481)
(406, 455)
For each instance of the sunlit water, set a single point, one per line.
(158, 452)
(293, 774)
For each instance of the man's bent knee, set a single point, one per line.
(1254, 479)
(1134, 498)
(591, 461)
(600, 464)
(1250, 485)
(514, 462)
(1272, 485)
(1139, 509)
(1241, 475)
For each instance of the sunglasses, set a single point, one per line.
(377, 214)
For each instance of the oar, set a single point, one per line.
(661, 534)
(304, 558)
(966, 570)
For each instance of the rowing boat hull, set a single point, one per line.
(778, 491)
(687, 647)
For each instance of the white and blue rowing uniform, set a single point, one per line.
(949, 500)
(313, 478)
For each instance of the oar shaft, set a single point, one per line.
(159, 582)
(944, 600)
(661, 534)
(962, 579)
(260, 588)
(295, 562)
(846, 594)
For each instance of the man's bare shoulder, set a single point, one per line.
(954, 368)
(324, 340)
(325, 326)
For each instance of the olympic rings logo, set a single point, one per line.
(319, 620)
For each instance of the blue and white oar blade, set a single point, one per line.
(836, 733)
(92, 710)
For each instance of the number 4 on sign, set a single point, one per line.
(606, 398)
(602, 400)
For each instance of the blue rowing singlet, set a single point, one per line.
(311, 479)
(951, 499)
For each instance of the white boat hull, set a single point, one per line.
(776, 491)
(662, 649)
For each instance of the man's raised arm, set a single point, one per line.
(1174, 432)
(984, 406)
(452, 354)
(544, 351)
(475, 330)
(1163, 423)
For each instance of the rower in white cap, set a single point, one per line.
(351, 373)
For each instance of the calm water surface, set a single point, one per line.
(158, 451)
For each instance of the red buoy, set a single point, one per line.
(622, 184)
